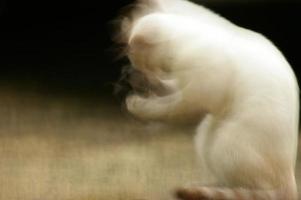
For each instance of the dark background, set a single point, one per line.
(65, 46)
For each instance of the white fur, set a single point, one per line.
(238, 77)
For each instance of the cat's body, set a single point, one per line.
(247, 141)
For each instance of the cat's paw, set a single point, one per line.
(192, 193)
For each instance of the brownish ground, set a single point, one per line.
(63, 149)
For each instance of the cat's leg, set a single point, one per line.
(207, 177)
(215, 193)
(244, 170)
(220, 193)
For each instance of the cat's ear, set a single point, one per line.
(122, 26)
(128, 17)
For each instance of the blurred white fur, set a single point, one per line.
(242, 82)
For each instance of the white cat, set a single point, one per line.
(203, 63)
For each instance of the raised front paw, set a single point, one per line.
(132, 103)
(137, 106)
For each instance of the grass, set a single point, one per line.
(64, 148)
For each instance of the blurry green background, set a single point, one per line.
(63, 133)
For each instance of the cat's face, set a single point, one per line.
(149, 51)
(149, 44)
